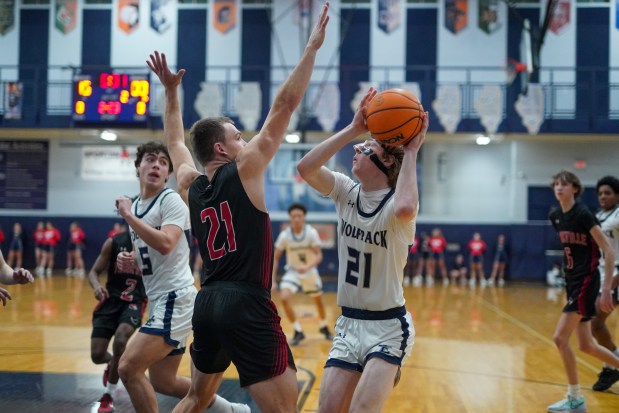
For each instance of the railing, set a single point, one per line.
(588, 98)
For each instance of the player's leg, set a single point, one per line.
(375, 386)
(70, 263)
(588, 345)
(443, 269)
(277, 394)
(142, 352)
(201, 393)
(337, 389)
(609, 374)
(164, 377)
(322, 314)
(79, 262)
(288, 287)
(431, 270)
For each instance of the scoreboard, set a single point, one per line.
(111, 98)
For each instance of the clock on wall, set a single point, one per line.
(111, 98)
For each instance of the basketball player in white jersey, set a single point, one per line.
(302, 245)
(608, 215)
(376, 225)
(159, 224)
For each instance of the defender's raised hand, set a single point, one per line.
(159, 65)
(318, 34)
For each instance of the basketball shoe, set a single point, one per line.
(106, 404)
(325, 331)
(570, 405)
(296, 339)
(607, 377)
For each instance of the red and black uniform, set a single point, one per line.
(39, 235)
(127, 300)
(476, 250)
(412, 251)
(437, 247)
(51, 238)
(580, 258)
(76, 239)
(234, 318)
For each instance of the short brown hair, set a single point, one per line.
(568, 178)
(154, 148)
(397, 152)
(204, 134)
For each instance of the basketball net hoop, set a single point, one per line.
(513, 69)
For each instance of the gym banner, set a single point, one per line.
(224, 15)
(128, 13)
(560, 17)
(160, 12)
(389, 15)
(65, 15)
(7, 16)
(108, 163)
(456, 15)
(489, 20)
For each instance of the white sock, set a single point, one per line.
(220, 405)
(297, 326)
(574, 390)
(323, 323)
(111, 388)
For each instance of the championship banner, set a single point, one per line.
(13, 100)
(389, 15)
(530, 107)
(488, 20)
(7, 16)
(224, 15)
(160, 11)
(108, 163)
(560, 19)
(65, 15)
(128, 15)
(456, 15)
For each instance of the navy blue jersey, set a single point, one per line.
(581, 252)
(127, 287)
(235, 238)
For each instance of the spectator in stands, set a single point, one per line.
(500, 262)
(424, 248)
(51, 238)
(75, 262)
(411, 263)
(458, 270)
(16, 249)
(477, 248)
(39, 249)
(437, 257)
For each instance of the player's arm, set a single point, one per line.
(173, 130)
(101, 264)
(311, 166)
(406, 197)
(606, 302)
(163, 240)
(8, 276)
(276, 256)
(255, 156)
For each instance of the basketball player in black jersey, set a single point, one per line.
(234, 318)
(580, 234)
(119, 312)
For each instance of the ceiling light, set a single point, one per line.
(293, 138)
(107, 135)
(482, 140)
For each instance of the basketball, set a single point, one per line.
(394, 117)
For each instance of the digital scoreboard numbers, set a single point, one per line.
(111, 98)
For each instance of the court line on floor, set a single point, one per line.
(530, 330)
